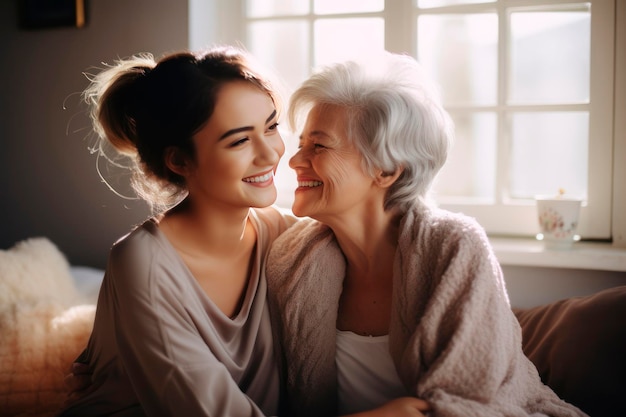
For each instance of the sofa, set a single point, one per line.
(579, 348)
(47, 308)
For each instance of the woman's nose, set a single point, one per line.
(271, 149)
(297, 160)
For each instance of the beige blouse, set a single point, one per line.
(160, 347)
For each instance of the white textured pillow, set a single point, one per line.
(35, 271)
(43, 325)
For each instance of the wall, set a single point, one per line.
(533, 286)
(49, 185)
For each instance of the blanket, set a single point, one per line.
(453, 337)
(44, 324)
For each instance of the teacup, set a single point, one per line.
(558, 220)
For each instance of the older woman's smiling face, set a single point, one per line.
(331, 179)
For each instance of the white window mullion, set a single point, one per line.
(311, 35)
(503, 115)
(400, 32)
(596, 218)
(619, 175)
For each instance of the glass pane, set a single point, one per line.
(343, 39)
(550, 57)
(265, 8)
(471, 166)
(283, 47)
(548, 153)
(425, 4)
(348, 6)
(461, 53)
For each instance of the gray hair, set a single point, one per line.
(394, 117)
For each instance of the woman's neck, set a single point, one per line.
(201, 229)
(368, 242)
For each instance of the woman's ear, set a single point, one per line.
(176, 161)
(385, 179)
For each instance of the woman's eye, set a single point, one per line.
(312, 146)
(239, 142)
(273, 127)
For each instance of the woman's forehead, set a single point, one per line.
(326, 119)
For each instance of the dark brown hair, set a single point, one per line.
(142, 107)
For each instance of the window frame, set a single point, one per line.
(517, 217)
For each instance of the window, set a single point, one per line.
(516, 78)
(529, 84)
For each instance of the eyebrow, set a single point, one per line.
(314, 134)
(245, 128)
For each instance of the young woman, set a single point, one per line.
(385, 295)
(182, 326)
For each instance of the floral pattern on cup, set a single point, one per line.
(552, 222)
(558, 220)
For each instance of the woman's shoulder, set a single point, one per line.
(304, 231)
(141, 235)
(276, 219)
(445, 229)
(137, 249)
(306, 237)
(445, 221)
(144, 267)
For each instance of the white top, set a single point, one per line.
(366, 374)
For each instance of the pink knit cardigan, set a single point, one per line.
(453, 337)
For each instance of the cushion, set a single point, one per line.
(87, 281)
(579, 348)
(35, 271)
(43, 325)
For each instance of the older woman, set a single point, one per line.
(384, 295)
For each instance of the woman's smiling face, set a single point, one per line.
(331, 179)
(237, 151)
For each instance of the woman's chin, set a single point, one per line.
(299, 210)
(266, 201)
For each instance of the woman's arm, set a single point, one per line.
(465, 354)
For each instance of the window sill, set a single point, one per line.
(582, 255)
